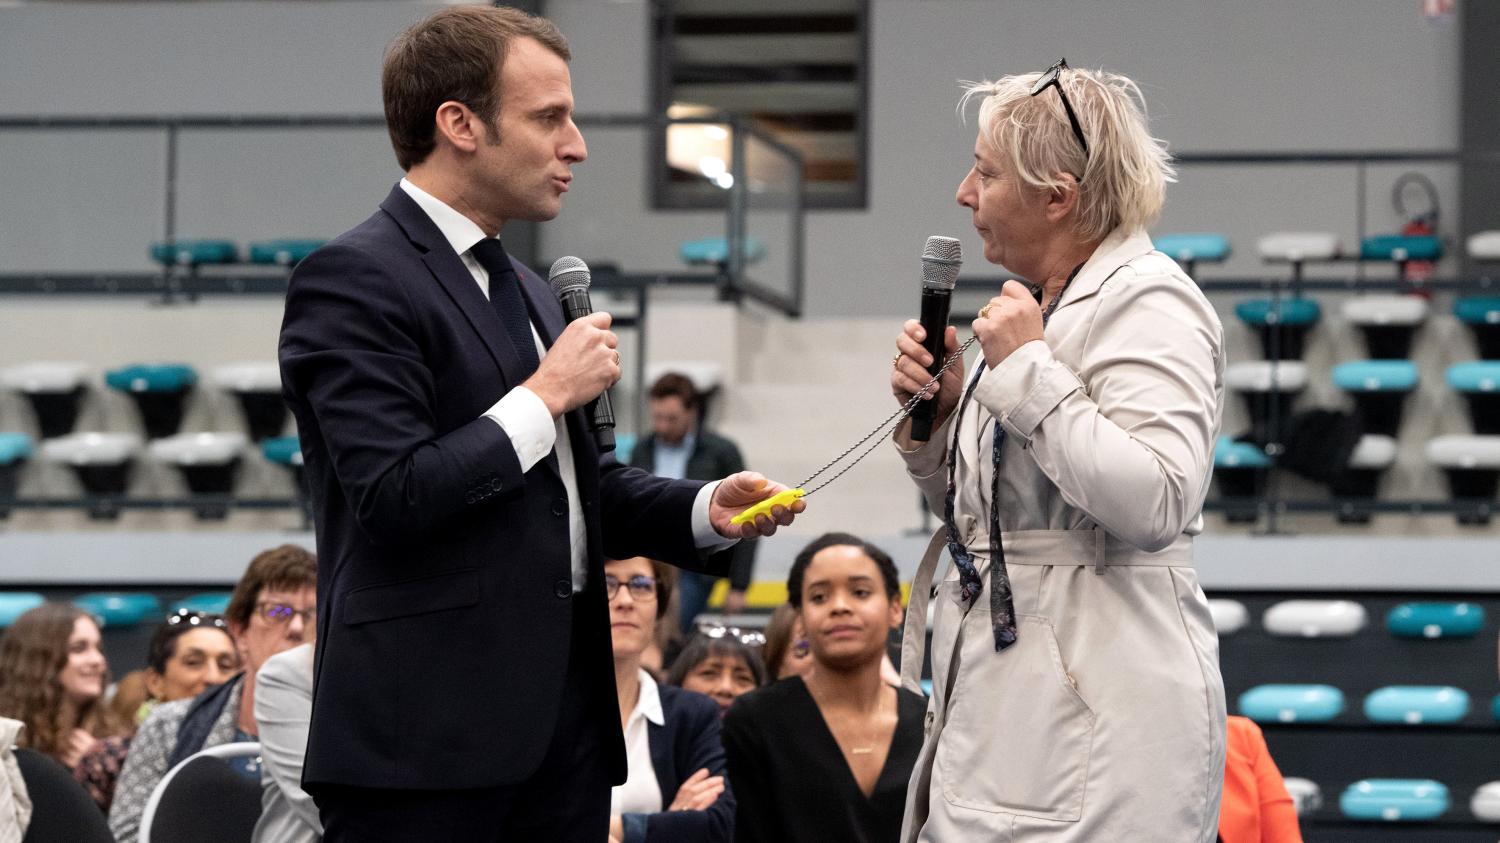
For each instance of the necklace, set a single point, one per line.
(871, 738)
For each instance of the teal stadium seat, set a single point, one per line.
(1192, 249)
(714, 251)
(624, 446)
(1241, 469)
(116, 609)
(195, 252)
(1292, 703)
(1296, 316)
(1482, 315)
(283, 450)
(14, 604)
(1379, 388)
(208, 602)
(1479, 383)
(1400, 248)
(1435, 620)
(283, 252)
(1413, 705)
(54, 391)
(1394, 800)
(159, 391)
(15, 450)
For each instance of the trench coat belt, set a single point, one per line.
(1076, 548)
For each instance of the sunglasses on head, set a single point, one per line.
(1050, 79)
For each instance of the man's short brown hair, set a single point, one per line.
(284, 568)
(454, 54)
(676, 385)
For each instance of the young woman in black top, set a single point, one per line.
(826, 757)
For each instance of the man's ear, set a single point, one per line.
(457, 126)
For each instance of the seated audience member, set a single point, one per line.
(675, 788)
(787, 650)
(189, 652)
(52, 678)
(273, 608)
(283, 708)
(722, 667)
(131, 700)
(1256, 806)
(827, 756)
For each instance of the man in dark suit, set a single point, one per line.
(679, 447)
(464, 682)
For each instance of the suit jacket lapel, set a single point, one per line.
(455, 278)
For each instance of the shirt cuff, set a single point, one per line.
(531, 429)
(1026, 387)
(705, 537)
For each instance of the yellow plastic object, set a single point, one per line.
(764, 507)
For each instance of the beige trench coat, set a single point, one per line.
(1105, 720)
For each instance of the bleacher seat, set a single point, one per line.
(1412, 705)
(284, 251)
(1435, 620)
(14, 604)
(1479, 383)
(117, 609)
(1230, 616)
(208, 602)
(257, 386)
(1293, 316)
(15, 450)
(1373, 454)
(1400, 248)
(159, 391)
(209, 463)
(195, 252)
(1292, 703)
(1192, 249)
(1388, 323)
(1241, 469)
(1485, 804)
(1472, 467)
(102, 462)
(1484, 246)
(1394, 800)
(1305, 793)
(1379, 388)
(714, 251)
(54, 391)
(1482, 315)
(1315, 618)
(1495, 708)
(1297, 247)
(1258, 382)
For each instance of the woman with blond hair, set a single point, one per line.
(52, 678)
(1076, 689)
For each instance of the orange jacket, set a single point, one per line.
(1256, 807)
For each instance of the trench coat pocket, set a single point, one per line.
(1018, 737)
(403, 598)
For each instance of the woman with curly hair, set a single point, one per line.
(52, 678)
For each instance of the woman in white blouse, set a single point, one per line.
(675, 789)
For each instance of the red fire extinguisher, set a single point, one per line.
(1418, 222)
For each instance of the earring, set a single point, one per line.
(801, 648)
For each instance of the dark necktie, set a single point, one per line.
(505, 297)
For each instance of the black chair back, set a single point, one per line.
(61, 810)
(207, 800)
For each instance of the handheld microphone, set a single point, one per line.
(570, 283)
(941, 258)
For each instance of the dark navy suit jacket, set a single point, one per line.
(445, 605)
(687, 741)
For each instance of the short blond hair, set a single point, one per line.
(1121, 179)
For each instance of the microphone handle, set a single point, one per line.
(935, 322)
(601, 414)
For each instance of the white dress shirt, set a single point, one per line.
(641, 792)
(533, 432)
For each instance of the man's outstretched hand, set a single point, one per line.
(739, 492)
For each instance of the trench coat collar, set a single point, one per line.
(1117, 249)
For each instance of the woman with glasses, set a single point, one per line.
(675, 789)
(189, 652)
(721, 663)
(273, 608)
(52, 678)
(827, 755)
(1076, 688)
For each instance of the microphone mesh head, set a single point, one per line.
(941, 259)
(568, 274)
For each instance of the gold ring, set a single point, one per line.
(896, 361)
(984, 312)
(617, 358)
